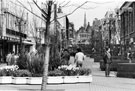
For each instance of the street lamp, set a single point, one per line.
(110, 20)
(19, 23)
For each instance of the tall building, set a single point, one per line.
(85, 22)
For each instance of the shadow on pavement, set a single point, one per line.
(40, 90)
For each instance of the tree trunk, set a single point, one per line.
(47, 49)
(46, 57)
(45, 73)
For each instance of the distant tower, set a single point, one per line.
(85, 20)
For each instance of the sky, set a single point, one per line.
(93, 9)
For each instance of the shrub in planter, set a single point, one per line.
(54, 62)
(37, 75)
(22, 73)
(56, 73)
(84, 71)
(72, 70)
(6, 72)
(69, 70)
(22, 61)
(36, 64)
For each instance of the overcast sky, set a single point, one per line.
(93, 9)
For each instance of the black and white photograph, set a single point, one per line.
(67, 45)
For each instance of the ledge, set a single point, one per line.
(126, 70)
(51, 80)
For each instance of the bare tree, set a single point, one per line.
(34, 27)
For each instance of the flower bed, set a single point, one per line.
(64, 74)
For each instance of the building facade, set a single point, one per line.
(13, 27)
(127, 13)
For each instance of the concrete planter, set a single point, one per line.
(35, 80)
(6, 79)
(126, 70)
(70, 79)
(77, 79)
(50, 80)
(20, 80)
(85, 78)
(57, 79)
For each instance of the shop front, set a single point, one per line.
(8, 44)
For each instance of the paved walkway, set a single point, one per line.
(100, 83)
(112, 83)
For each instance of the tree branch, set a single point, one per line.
(76, 5)
(66, 4)
(30, 11)
(30, 6)
(45, 14)
(72, 11)
(15, 4)
(99, 3)
(77, 8)
(80, 6)
(61, 3)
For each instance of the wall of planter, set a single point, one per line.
(51, 80)
(126, 70)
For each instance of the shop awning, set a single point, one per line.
(29, 43)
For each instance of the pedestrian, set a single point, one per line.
(13, 60)
(79, 58)
(16, 56)
(107, 61)
(8, 58)
(129, 56)
(65, 57)
(72, 57)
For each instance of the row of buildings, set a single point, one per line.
(116, 28)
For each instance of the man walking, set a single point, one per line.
(79, 58)
(107, 61)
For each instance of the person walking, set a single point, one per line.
(65, 57)
(12, 62)
(129, 56)
(107, 61)
(72, 57)
(79, 58)
(8, 58)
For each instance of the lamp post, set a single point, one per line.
(19, 24)
(118, 28)
(109, 30)
(109, 33)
